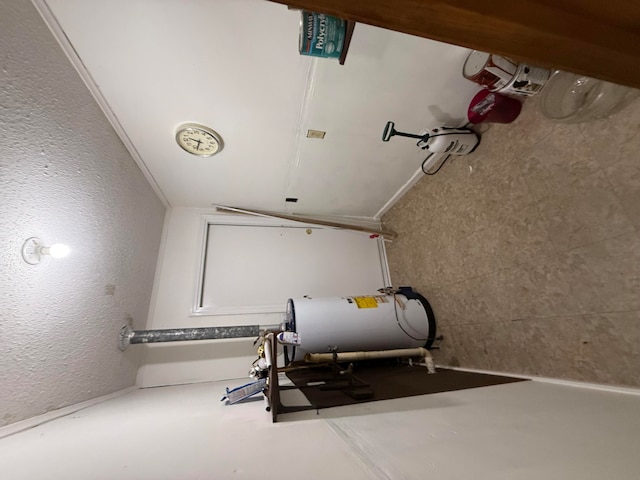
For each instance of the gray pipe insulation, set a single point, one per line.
(129, 336)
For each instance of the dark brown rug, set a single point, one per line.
(386, 382)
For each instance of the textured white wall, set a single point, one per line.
(65, 177)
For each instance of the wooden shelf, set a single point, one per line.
(347, 40)
(590, 37)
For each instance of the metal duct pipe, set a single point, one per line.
(129, 336)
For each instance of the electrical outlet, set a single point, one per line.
(315, 134)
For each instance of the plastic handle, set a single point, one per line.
(389, 131)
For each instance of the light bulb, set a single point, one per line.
(59, 250)
(33, 250)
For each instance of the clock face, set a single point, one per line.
(198, 140)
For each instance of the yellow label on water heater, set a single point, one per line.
(366, 302)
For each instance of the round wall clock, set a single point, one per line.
(198, 140)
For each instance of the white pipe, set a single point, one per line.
(355, 356)
(267, 348)
(429, 362)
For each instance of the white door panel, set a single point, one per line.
(250, 269)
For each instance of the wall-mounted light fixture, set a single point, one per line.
(33, 250)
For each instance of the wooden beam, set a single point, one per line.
(389, 234)
(597, 38)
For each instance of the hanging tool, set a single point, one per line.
(451, 140)
(448, 140)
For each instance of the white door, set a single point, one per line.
(256, 268)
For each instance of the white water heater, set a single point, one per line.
(403, 319)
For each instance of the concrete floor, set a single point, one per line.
(519, 431)
(529, 249)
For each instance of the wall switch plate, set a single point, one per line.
(315, 134)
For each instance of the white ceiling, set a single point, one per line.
(233, 65)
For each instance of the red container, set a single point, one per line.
(492, 107)
(491, 71)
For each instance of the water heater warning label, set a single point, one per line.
(369, 302)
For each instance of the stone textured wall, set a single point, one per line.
(65, 177)
(529, 249)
